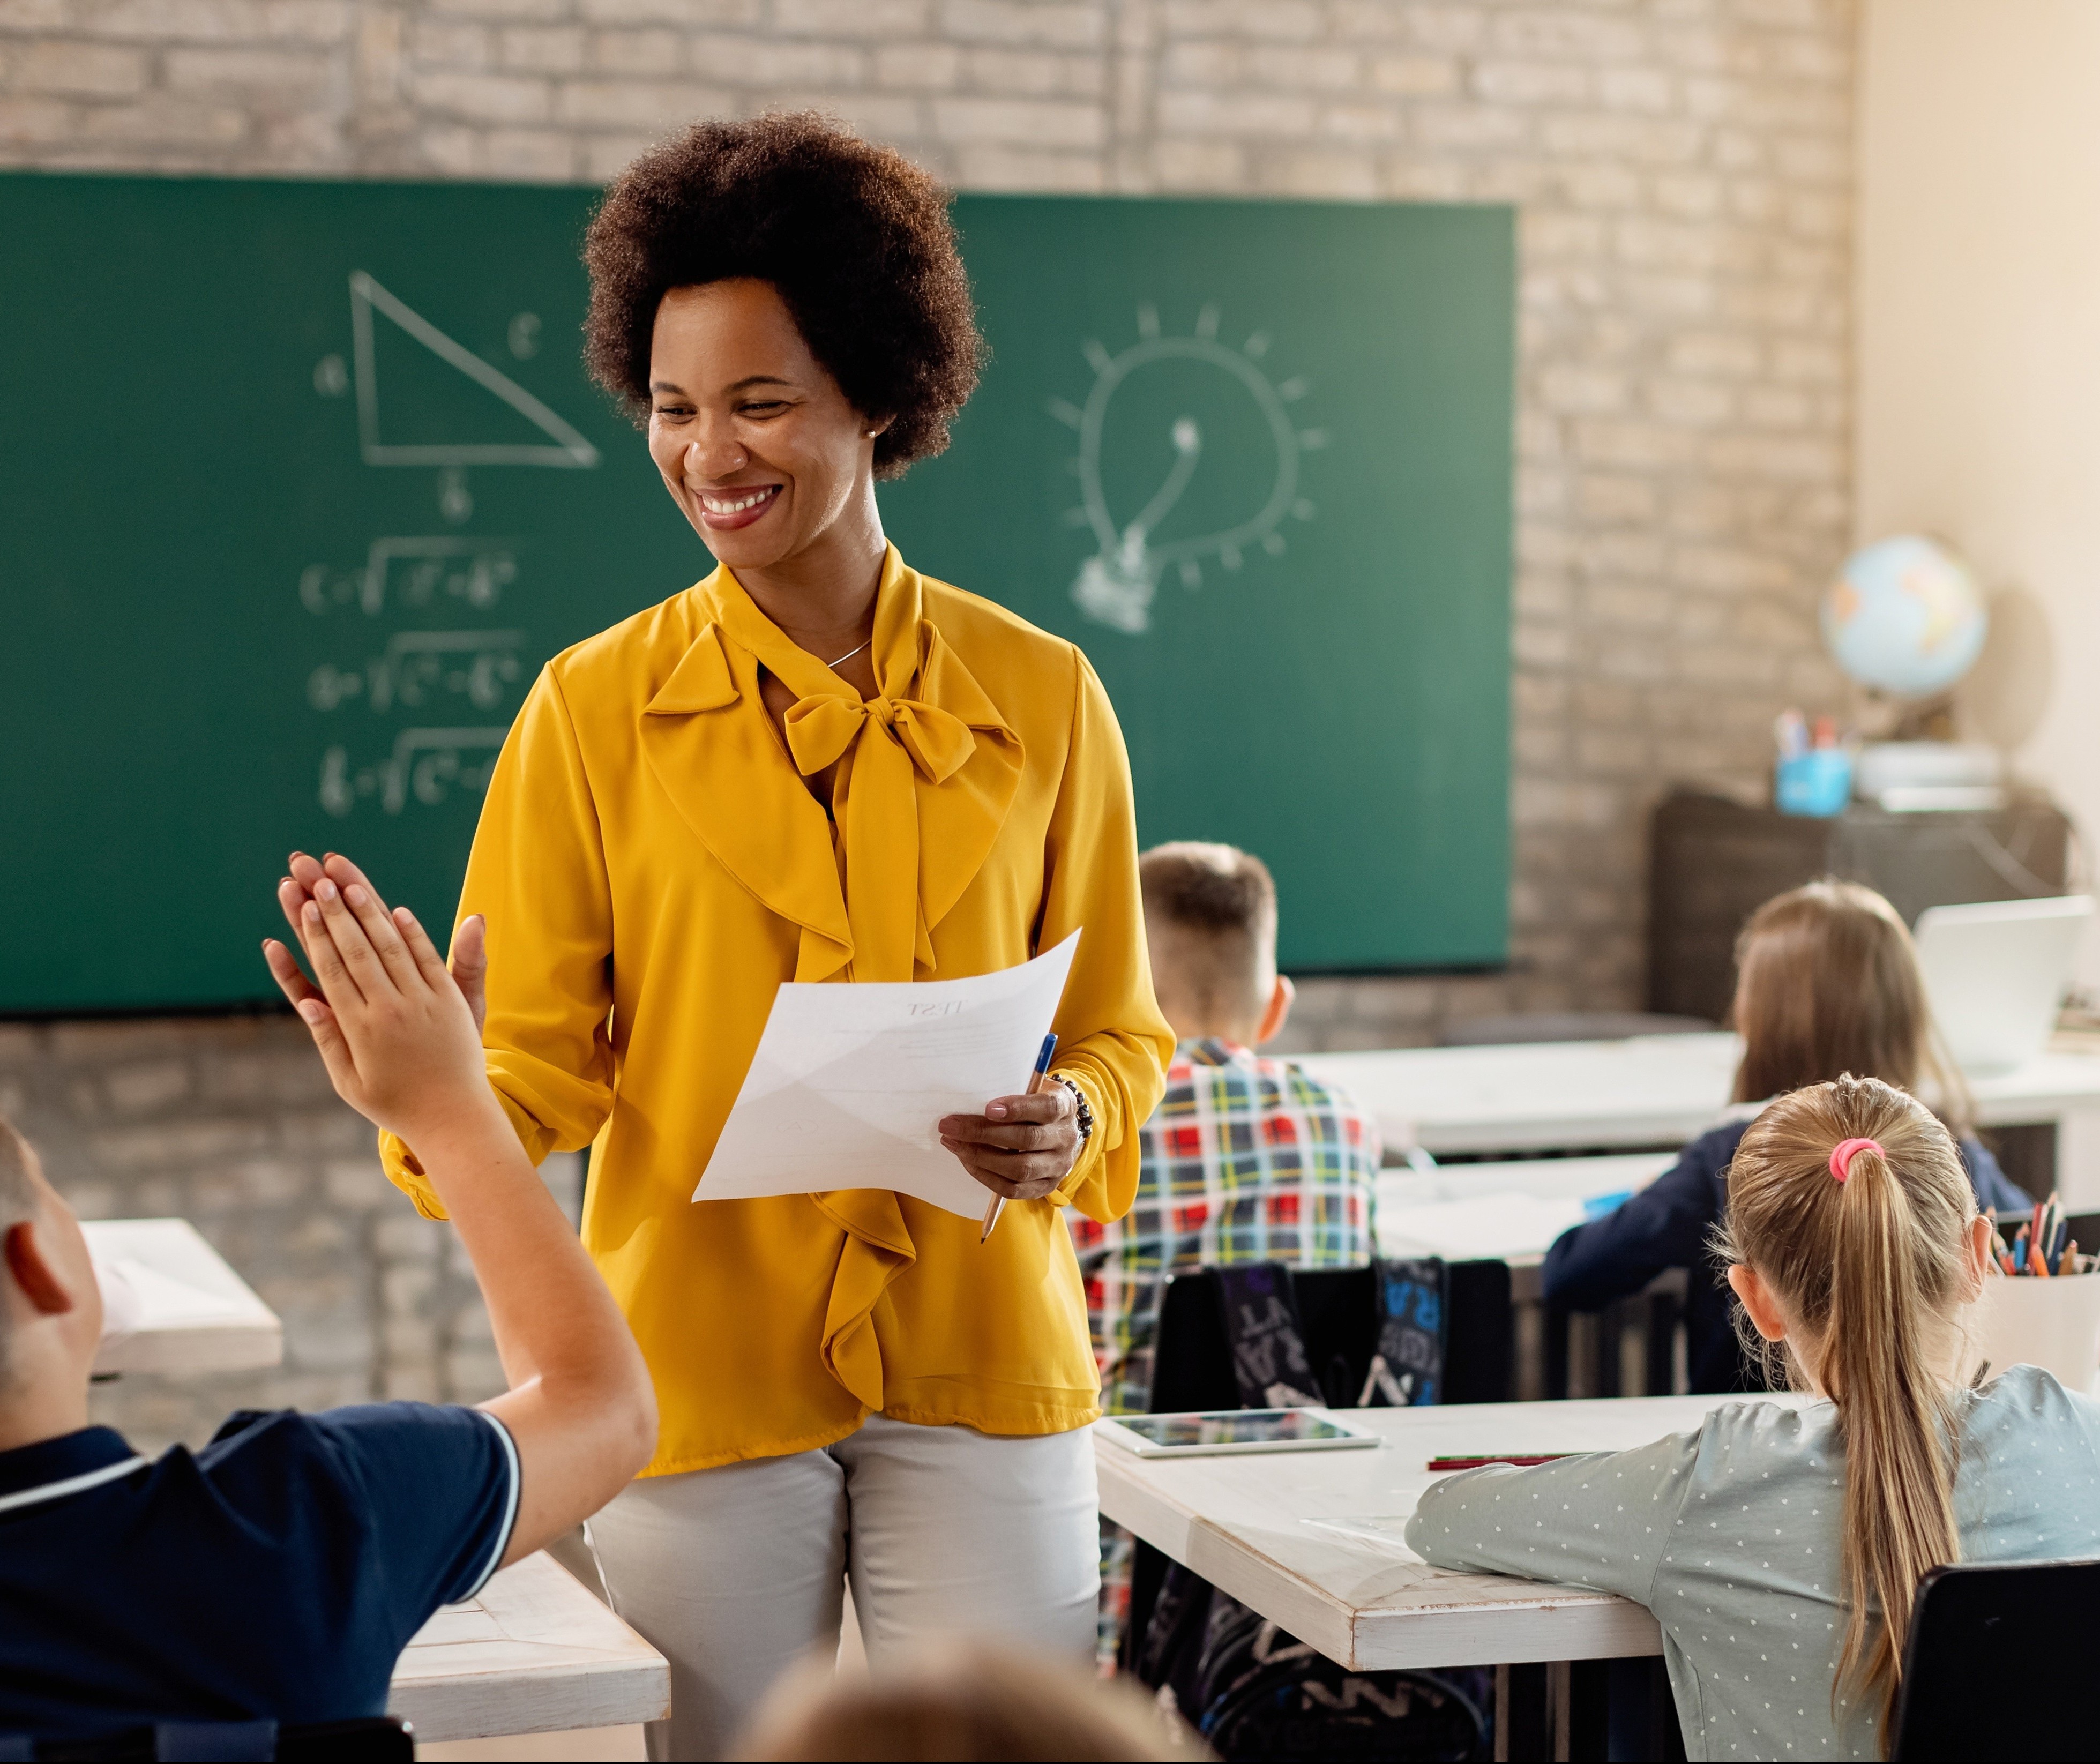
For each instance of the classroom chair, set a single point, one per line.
(1586, 1353)
(377, 1740)
(1192, 1360)
(1978, 1627)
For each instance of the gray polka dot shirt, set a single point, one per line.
(1730, 1536)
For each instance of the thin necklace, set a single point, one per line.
(850, 654)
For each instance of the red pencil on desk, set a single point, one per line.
(1436, 1464)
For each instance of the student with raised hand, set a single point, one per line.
(276, 1574)
(1827, 983)
(1779, 1548)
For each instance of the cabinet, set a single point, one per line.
(1713, 862)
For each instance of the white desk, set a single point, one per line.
(535, 1653)
(1238, 1522)
(172, 1304)
(1508, 1211)
(1651, 1090)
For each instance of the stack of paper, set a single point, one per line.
(849, 1081)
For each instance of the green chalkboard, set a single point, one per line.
(1255, 457)
(302, 482)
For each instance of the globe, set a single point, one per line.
(1905, 615)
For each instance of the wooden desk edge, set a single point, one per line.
(1537, 1621)
(481, 1706)
(198, 1347)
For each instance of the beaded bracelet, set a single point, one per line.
(1086, 1113)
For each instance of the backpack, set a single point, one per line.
(1253, 1690)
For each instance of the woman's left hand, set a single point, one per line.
(1020, 1147)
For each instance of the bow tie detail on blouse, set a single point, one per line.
(877, 744)
(820, 729)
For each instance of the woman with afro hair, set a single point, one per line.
(813, 765)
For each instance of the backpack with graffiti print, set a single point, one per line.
(1256, 1693)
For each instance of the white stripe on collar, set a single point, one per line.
(55, 1490)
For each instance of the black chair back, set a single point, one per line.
(1980, 1626)
(1480, 1360)
(1191, 1357)
(1338, 1313)
(374, 1740)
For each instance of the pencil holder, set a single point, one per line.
(1816, 782)
(2052, 1323)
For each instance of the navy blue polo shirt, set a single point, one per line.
(275, 1575)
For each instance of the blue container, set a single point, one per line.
(1816, 782)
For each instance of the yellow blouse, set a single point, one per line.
(651, 866)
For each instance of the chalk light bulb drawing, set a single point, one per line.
(1117, 585)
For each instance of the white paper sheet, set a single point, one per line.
(1385, 1531)
(849, 1081)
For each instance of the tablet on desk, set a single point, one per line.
(1211, 1432)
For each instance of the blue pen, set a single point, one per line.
(1036, 1079)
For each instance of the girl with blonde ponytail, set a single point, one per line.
(1853, 1248)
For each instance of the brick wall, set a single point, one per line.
(230, 1124)
(1683, 172)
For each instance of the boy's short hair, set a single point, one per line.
(1216, 906)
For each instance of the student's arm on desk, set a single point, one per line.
(1661, 1226)
(401, 1047)
(1601, 1519)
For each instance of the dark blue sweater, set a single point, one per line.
(1666, 1225)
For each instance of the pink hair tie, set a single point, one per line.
(1841, 1159)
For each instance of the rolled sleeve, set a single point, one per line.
(537, 876)
(1112, 1040)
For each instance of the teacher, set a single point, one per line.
(815, 765)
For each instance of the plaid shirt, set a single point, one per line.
(1245, 1160)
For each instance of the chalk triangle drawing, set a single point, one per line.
(565, 447)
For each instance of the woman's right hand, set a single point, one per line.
(393, 1027)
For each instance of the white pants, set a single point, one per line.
(734, 1573)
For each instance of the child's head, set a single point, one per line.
(951, 1699)
(1855, 1243)
(1210, 918)
(1827, 982)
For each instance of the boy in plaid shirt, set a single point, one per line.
(1245, 1160)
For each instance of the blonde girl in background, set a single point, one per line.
(1779, 1546)
(1827, 982)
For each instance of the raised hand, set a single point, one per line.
(470, 959)
(393, 1027)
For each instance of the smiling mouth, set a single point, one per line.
(725, 509)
